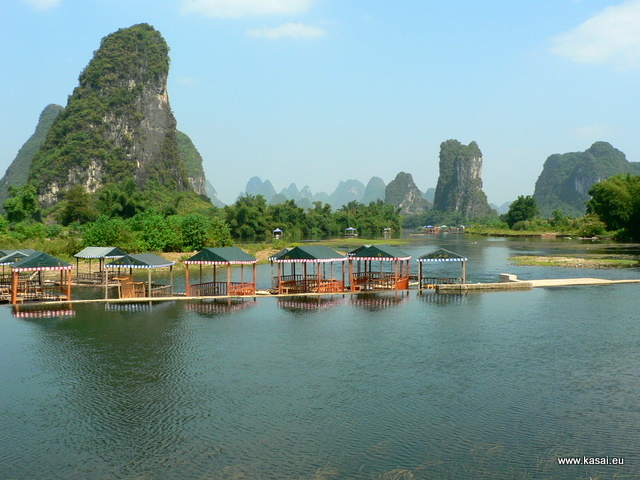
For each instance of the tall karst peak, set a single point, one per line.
(459, 187)
(117, 124)
(403, 193)
(566, 178)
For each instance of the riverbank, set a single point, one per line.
(598, 262)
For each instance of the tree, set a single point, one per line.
(616, 201)
(77, 207)
(522, 209)
(22, 204)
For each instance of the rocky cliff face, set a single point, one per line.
(117, 124)
(566, 178)
(193, 163)
(459, 187)
(18, 172)
(403, 193)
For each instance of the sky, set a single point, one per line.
(317, 91)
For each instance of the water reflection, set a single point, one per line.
(213, 308)
(120, 380)
(443, 299)
(309, 304)
(21, 312)
(136, 307)
(374, 302)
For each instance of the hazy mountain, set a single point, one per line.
(566, 178)
(18, 172)
(255, 186)
(346, 192)
(374, 191)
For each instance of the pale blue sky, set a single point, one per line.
(318, 91)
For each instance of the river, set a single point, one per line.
(501, 385)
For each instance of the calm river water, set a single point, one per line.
(481, 386)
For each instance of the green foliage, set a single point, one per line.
(18, 172)
(591, 226)
(123, 200)
(523, 209)
(556, 185)
(76, 207)
(22, 204)
(109, 232)
(251, 218)
(616, 202)
(247, 217)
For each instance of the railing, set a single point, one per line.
(378, 281)
(219, 289)
(292, 280)
(309, 284)
(431, 282)
(330, 286)
(37, 292)
(94, 277)
(239, 289)
(161, 290)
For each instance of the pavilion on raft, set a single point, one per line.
(440, 255)
(378, 267)
(28, 283)
(7, 258)
(313, 277)
(128, 288)
(101, 253)
(217, 257)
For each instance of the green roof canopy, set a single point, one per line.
(280, 253)
(310, 253)
(141, 260)
(40, 261)
(13, 257)
(442, 255)
(220, 256)
(100, 252)
(378, 252)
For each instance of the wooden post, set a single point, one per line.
(149, 292)
(419, 275)
(396, 270)
(279, 276)
(187, 281)
(464, 272)
(255, 283)
(171, 279)
(228, 277)
(14, 287)
(69, 276)
(304, 275)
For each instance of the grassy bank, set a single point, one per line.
(576, 262)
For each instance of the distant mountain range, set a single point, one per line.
(346, 191)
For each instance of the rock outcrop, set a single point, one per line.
(566, 178)
(459, 187)
(403, 193)
(117, 123)
(18, 172)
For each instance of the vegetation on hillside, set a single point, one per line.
(566, 178)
